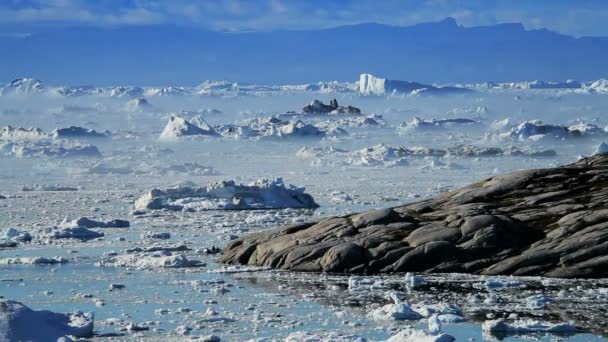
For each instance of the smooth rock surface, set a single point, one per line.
(547, 222)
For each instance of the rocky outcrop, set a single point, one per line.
(549, 222)
(318, 107)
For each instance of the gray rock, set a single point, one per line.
(547, 222)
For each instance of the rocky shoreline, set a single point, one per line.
(544, 222)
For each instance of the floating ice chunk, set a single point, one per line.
(420, 124)
(180, 127)
(274, 127)
(357, 283)
(440, 309)
(74, 132)
(43, 187)
(20, 323)
(88, 223)
(380, 154)
(10, 133)
(239, 269)
(33, 261)
(331, 336)
(372, 85)
(161, 259)
(11, 234)
(535, 130)
(412, 280)
(80, 233)
(317, 152)
(412, 335)
(434, 324)
(500, 125)
(43, 149)
(537, 302)
(500, 328)
(501, 283)
(451, 318)
(138, 105)
(227, 195)
(158, 236)
(396, 311)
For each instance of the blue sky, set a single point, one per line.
(574, 17)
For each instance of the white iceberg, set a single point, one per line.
(180, 127)
(227, 195)
(20, 323)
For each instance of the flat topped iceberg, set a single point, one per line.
(372, 85)
(20, 323)
(180, 127)
(227, 195)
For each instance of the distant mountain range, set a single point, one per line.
(440, 52)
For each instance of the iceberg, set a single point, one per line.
(180, 127)
(227, 195)
(20, 323)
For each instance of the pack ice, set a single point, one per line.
(227, 195)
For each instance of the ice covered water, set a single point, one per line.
(150, 271)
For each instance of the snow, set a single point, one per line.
(179, 127)
(227, 195)
(20, 323)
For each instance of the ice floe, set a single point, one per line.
(227, 195)
(149, 259)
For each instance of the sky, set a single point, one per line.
(573, 17)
